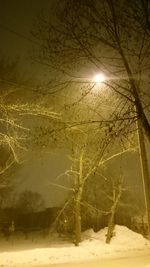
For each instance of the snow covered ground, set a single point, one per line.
(93, 246)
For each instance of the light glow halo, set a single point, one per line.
(99, 78)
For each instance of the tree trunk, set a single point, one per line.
(111, 224)
(78, 197)
(77, 220)
(135, 91)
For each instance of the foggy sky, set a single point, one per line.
(38, 171)
(41, 172)
(17, 18)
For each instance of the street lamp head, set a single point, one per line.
(99, 78)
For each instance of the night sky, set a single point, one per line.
(17, 18)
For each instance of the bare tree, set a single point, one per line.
(109, 198)
(88, 150)
(17, 110)
(97, 36)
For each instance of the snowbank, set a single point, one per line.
(124, 238)
(93, 246)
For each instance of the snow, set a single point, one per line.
(93, 246)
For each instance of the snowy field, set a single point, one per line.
(17, 253)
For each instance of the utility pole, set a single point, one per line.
(145, 171)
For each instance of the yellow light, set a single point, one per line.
(99, 78)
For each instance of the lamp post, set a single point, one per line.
(145, 172)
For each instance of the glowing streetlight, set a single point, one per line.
(99, 78)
